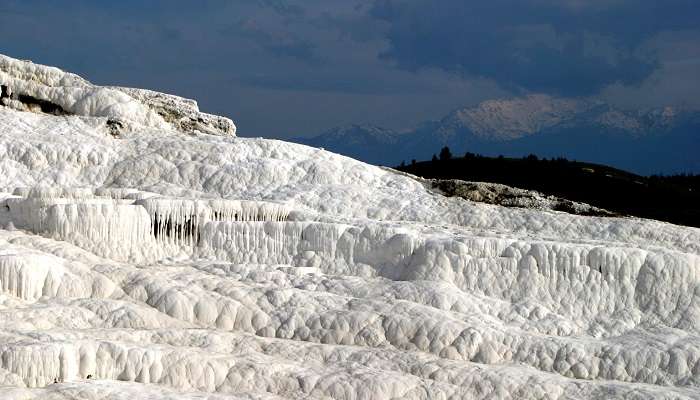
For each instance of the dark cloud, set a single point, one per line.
(564, 47)
(352, 82)
(295, 67)
(276, 40)
(284, 7)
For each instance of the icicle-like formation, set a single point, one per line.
(271, 242)
(115, 230)
(109, 227)
(333, 248)
(130, 194)
(32, 213)
(109, 221)
(118, 193)
(173, 221)
(55, 193)
(229, 210)
(179, 221)
(28, 277)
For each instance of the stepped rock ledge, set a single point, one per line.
(148, 252)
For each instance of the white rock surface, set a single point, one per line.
(161, 265)
(26, 85)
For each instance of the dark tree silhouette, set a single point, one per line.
(445, 153)
(667, 198)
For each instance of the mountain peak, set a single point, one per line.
(537, 123)
(354, 134)
(507, 119)
(351, 131)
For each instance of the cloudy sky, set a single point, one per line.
(284, 68)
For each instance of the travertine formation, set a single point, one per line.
(37, 88)
(157, 264)
(494, 193)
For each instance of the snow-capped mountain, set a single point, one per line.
(148, 252)
(366, 142)
(501, 120)
(546, 126)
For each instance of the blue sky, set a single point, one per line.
(295, 68)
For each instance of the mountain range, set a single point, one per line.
(663, 140)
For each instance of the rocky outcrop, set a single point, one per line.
(182, 113)
(507, 196)
(37, 88)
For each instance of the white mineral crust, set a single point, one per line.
(175, 260)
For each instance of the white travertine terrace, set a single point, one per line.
(26, 86)
(159, 264)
